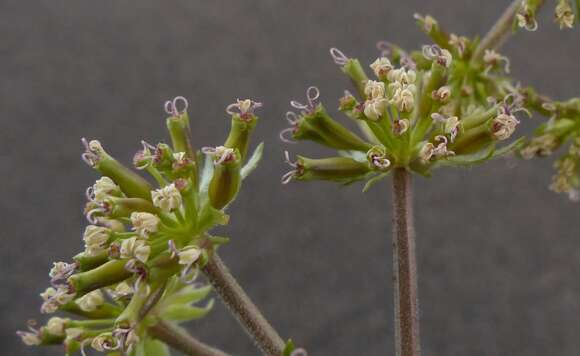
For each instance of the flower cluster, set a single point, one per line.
(438, 106)
(562, 129)
(144, 244)
(565, 14)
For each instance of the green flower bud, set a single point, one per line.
(178, 126)
(132, 184)
(226, 179)
(347, 102)
(243, 123)
(124, 207)
(105, 311)
(526, 15)
(338, 169)
(315, 124)
(378, 158)
(163, 158)
(87, 261)
(352, 68)
(431, 27)
(106, 274)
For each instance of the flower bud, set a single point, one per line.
(352, 68)
(226, 179)
(135, 248)
(503, 126)
(163, 159)
(400, 126)
(111, 272)
(402, 76)
(564, 14)
(451, 127)
(122, 290)
(374, 89)
(105, 187)
(442, 94)
(375, 108)
(61, 270)
(526, 15)
(459, 43)
(381, 66)
(86, 261)
(492, 59)
(132, 184)
(437, 54)
(56, 326)
(29, 338)
(105, 342)
(338, 169)
(426, 152)
(332, 133)
(123, 207)
(378, 158)
(189, 255)
(178, 126)
(54, 298)
(404, 99)
(242, 126)
(347, 102)
(144, 223)
(183, 167)
(167, 198)
(96, 238)
(91, 301)
(541, 146)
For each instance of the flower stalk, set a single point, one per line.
(407, 341)
(502, 28)
(240, 305)
(180, 340)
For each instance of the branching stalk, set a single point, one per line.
(180, 340)
(245, 311)
(500, 31)
(407, 341)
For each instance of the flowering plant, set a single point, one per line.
(451, 103)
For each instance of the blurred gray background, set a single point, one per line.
(498, 253)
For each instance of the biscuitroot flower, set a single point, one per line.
(314, 123)
(492, 60)
(167, 198)
(414, 115)
(145, 224)
(128, 281)
(526, 15)
(562, 130)
(564, 14)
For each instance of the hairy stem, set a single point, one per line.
(500, 31)
(407, 341)
(238, 302)
(180, 340)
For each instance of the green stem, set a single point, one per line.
(500, 31)
(180, 340)
(407, 341)
(238, 302)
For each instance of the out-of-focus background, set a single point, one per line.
(498, 253)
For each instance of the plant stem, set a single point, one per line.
(239, 304)
(180, 340)
(407, 341)
(500, 31)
